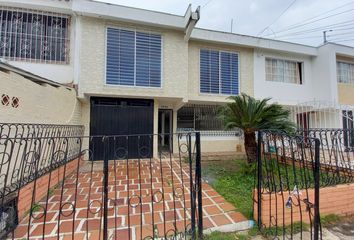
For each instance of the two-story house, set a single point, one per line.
(141, 72)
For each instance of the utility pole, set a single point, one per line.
(325, 36)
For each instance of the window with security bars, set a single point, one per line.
(199, 118)
(345, 72)
(278, 70)
(133, 58)
(219, 72)
(34, 35)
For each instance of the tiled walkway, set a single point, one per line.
(148, 190)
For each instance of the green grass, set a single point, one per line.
(231, 181)
(330, 220)
(279, 231)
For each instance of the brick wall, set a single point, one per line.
(333, 200)
(25, 196)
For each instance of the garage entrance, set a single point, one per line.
(126, 119)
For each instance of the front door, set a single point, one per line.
(165, 129)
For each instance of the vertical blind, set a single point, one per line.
(133, 58)
(219, 72)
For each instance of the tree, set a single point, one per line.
(251, 115)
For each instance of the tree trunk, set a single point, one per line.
(251, 147)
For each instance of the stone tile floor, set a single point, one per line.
(147, 199)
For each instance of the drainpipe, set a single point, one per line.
(191, 19)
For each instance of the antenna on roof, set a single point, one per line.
(325, 35)
(232, 24)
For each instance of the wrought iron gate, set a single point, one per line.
(143, 198)
(288, 183)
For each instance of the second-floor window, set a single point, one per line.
(278, 70)
(219, 72)
(34, 35)
(133, 58)
(345, 72)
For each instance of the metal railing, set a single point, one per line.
(116, 187)
(29, 148)
(287, 186)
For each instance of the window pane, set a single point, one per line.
(148, 60)
(120, 57)
(205, 71)
(133, 58)
(218, 72)
(278, 70)
(345, 72)
(199, 118)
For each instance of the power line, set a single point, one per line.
(308, 19)
(206, 3)
(292, 3)
(345, 40)
(307, 23)
(337, 26)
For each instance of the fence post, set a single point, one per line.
(199, 185)
(192, 197)
(317, 220)
(105, 186)
(259, 180)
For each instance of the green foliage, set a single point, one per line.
(329, 220)
(233, 182)
(35, 208)
(284, 230)
(220, 236)
(250, 114)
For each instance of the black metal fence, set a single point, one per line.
(25, 151)
(154, 196)
(288, 184)
(336, 154)
(291, 170)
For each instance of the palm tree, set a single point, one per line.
(251, 115)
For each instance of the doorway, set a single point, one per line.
(165, 130)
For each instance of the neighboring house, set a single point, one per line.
(138, 71)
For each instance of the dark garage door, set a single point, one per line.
(126, 119)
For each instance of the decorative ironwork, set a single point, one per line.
(34, 35)
(288, 171)
(142, 198)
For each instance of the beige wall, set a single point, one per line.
(38, 103)
(345, 90)
(346, 93)
(246, 71)
(92, 56)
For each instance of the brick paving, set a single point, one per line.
(146, 199)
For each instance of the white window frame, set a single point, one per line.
(301, 74)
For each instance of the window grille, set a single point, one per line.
(31, 35)
(199, 117)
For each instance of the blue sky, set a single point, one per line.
(301, 21)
